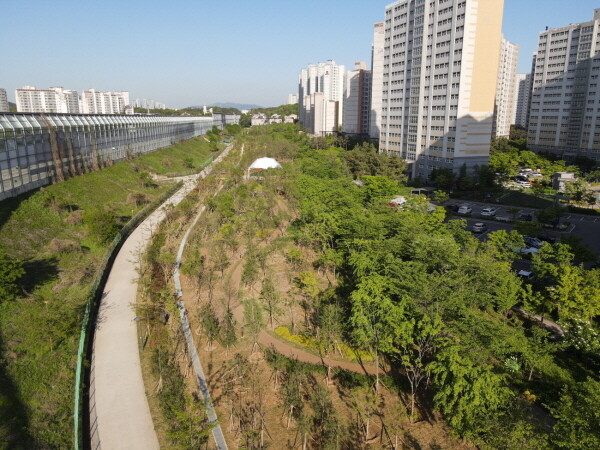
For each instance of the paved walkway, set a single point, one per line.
(119, 412)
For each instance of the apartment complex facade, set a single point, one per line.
(506, 93)
(292, 99)
(97, 102)
(3, 101)
(377, 80)
(320, 97)
(52, 100)
(523, 98)
(439, 81)
(565, 100)
(357, 100)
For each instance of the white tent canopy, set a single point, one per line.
(264, 164)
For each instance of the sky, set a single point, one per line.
(197, 52)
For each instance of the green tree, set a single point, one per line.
(377, 322)
(416, 351)
(210, 324)
(379, 188)
(466, 392)
(11, 272)
(578, 417)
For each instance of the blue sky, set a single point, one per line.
(198, 52)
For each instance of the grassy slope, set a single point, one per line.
(39, 332)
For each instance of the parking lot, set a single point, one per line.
(583, 226)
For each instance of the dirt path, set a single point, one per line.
(288, 350)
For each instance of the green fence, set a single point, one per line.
(93, 302)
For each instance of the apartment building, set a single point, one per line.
(52, 100)
(565, 100)
(327, 79)
(523, 97)
(505, 109)
(97, 102)
(377, 80)
(3, 101)
(292, 99)
(440, 73)
(357, 100)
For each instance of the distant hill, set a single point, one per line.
(12, 107)
(282, 110)
(239, 106)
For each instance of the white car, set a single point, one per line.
(523, 184)
(527, 250)
(465, 209)
(488, 211)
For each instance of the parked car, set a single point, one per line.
(525, 217)
(452, 207)
(533, 242)
(526, 274)
(479, 227)
(488, 211)
(524, 184)
(527, 250)
(548, 239)
(503, 219)
(465, 209)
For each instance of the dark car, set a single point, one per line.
(525, 217)
(548, 239)
(479, 227)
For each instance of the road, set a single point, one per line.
(119, 412)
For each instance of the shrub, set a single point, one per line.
(101, 225)
(137, 199)
(11, 272)
(75, 218)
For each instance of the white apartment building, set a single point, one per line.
(292, 99)
(357, 100)
(505, 109)
(3, 101)
(523, 96)
(52, 100)
(327, 79)
(377, 80)
(564, 116)
(96, 102)
(440, 73)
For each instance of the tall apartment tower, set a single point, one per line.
(357, 100)
(328, 79)
(523, 96)
(3, 101)
(506, 92)
(292, 99)
(439, 82)
(96, 102)
(565, 101)
(377, 80)
(52, 100)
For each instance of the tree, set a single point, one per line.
(227, 336)
(11, 272)
(210, 324)
(253, 316)
(379, 188)
(578, 417)
(416, 352)
(539, 351)
(271, 299)
(377, 322)
(466, 392)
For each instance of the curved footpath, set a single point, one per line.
(119, 412)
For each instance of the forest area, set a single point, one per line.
(327, 317)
